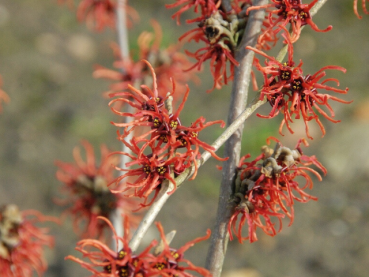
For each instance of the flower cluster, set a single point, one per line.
(267, 187)
(168, 63)
(21, 242)
(363, 6)
(3, 96)
(87, 194)
(288, 11)
(100, 14)
(165, 261)
(289, 91)
(163, 141)
(220, 30)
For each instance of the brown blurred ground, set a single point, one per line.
(46, 61)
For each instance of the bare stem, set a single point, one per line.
(317, 7)
(282, 53)
(151, 215)
(220, 236)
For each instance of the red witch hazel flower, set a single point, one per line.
(165, 261)
(85, 185)
(289, 91)
(267, 187)
(21, 242)
(166, 135)
(289, 11)
(168, 63)
(363, 5)
(219, 55)
(97, 14)
(151, 172)
(220, 31)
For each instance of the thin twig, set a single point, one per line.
(317, 7)
(151, 215)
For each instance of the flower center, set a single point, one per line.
(161, 170)
(285, 75)
(159, 266)
(122, 253)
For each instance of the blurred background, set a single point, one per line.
(46, 60)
